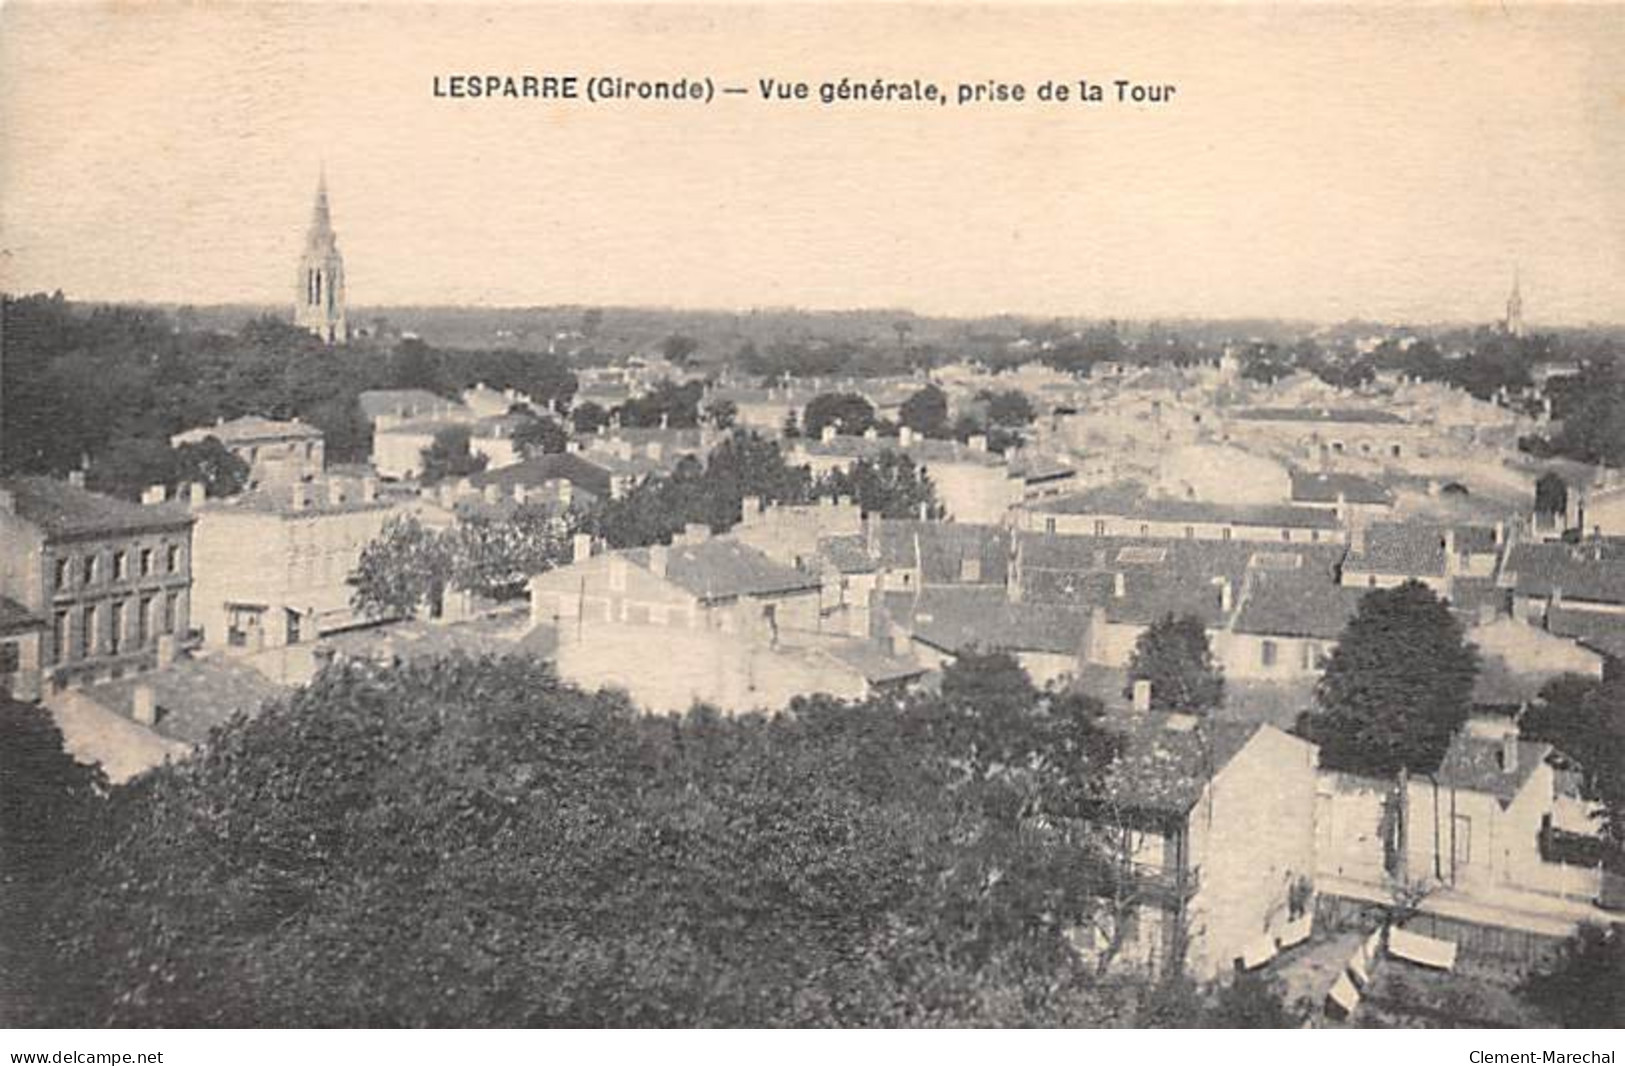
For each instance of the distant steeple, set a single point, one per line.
(1513, 323)
(319, 303)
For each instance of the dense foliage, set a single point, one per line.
(474, 843)
(1175, 656)
(1584, 719)
(410, 567)
(1397, 686)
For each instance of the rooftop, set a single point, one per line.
(192, 696)
(954, 619)
(1121, 501)
(61, 509)
(251, 428)
(1318, 414)
(1593, 571)
(1323, 488)
(1167, 761)
(1474, 763)
(722, 569)
(15, 618)
(1277, 607)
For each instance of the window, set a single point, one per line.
(1228, 533)
(89, 570)
(61, 574)
(1190, 532)
(1268, 652)
(1286, 534)
(1145, 529)
(1371, 581)
(121, 566)
(146, 562)
(11, 660)
(1049, 525)
(1100, 527)
(87, 633)
(115, 628)
(1461, 841)
(171, 601)
(59, 638)
(143, 621)
(173, 558)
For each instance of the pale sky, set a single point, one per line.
(1327, 163)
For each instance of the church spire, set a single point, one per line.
(319, 304)
(1513, 323)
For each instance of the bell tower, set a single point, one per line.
(319, 304)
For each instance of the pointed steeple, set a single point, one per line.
(1514, 319)
(319, 305)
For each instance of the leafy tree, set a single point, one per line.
(848, 412)
(212, 465)
(47, 822)
(678, 347)
(1551, 495)
(832, 865)
(1584, 718)
(450, 456)
(926, 412)
(407, 567)
(588, 417)
(1175, 656)
(1397, 687)
(415, 365)
(541, 436)
(667, 404)
(722, 414)
(890, 485)
(1009, 407)
(1586, 986)
(129, 467)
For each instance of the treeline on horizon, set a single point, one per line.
(79, 382)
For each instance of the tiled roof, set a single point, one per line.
(375, 402)
(279, 499)
(1318, 414)
(63, 510)
(1313, 487)
(412, 641)
(251, 428)
(1590, 571)
(942, 547)
(1123, 502)
(1274, 607)
(721, 569)
(848, 553)
(15, 618)
(872, 663)
(1598, 630)
(1414, 548)
(582, 473)
(1473, 763)
(192, 696)
(957, 619)
(1165, 766)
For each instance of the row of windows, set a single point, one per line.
(131, 625)
(1311, 656)
(89, 569)
(1225, 533)
(252, 452)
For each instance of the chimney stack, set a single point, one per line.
(196, 493)
(166, 649)
(1119, 585)
(1227, 596)
(827, 434)
(1509, 752)
(659, 556)
(581, 548)
(905, 437)
(1142, 696)
(144, 706)
(76, 478)
(153, 494)
(750, 508)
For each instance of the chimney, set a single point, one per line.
(1557, 597)
(905, 437)
(301, 496)
(76, 478)
(567, 492)
(153, 494)
(925, 511)
(1343, 506)
(581, 548)
(196, 493)
(1119, 585)
(827, 434)
(1452, 561)
(696, 533)
(659, 555)
(871, 433)
(1500, 533)
(1142, 695)
(1227, 596)
(977, 442)
(369, 490)
(1509, 752)
(654, 450)
(144, 706)
(1356, 539)
(166, 649)
(493, 493)
(750, 508)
